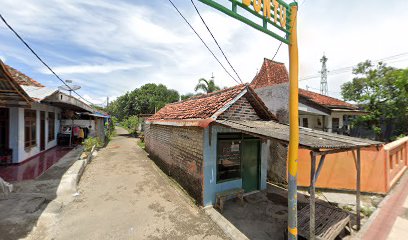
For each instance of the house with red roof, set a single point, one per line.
(225, 142)
(205, 157)
(316, 111)
(31, 115)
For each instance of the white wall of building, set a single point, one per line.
(17, 138)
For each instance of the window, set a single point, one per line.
(305, 122)
(30, 128)
(228, 158)
(51, 126)
(335, 124)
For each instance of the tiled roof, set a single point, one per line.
(273, 73)
(21, 78)
(198, 107)
(206, 105)
(325, 100)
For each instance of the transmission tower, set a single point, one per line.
(324, 89)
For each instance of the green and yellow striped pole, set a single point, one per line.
(294, 124)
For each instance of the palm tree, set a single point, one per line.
(207, 86)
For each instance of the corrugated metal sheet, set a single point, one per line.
(309, 138)
(38, 93)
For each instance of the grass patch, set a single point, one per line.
(141, 144)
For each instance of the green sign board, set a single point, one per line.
(273, 15)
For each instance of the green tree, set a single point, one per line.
(187, 96)
(383, 92)
(207, 86)
(144, 100)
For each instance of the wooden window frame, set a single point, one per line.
(236, 137)
(30, 125)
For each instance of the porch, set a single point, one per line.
(320, 144)
(34, 166)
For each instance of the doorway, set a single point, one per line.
(250, 164)
(4, 128)
(42, 131)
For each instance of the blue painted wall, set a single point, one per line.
(210, 157)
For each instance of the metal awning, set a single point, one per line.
(309, 138)
(96, 114)
(321, 144)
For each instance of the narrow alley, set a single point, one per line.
(123, 195)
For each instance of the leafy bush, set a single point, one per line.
(90, 142)
(130, 123)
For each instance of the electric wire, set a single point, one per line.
(39, 58)
(350, 68)
(215, 40)
(205, 44)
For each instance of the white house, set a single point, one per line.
(316, 111)
(30, 115)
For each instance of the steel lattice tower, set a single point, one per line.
(324, 89)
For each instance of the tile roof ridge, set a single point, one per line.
(273, 61)
(205, 95)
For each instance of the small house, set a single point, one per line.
(204, 156)
(316, 111)
(32, 116)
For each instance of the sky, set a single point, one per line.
(111, 47)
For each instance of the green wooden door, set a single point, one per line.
(250, 164)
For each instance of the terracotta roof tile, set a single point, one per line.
(325, 100)
(21, 78)
(198, 107)
(272, 73)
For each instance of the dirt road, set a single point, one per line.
(123, 195)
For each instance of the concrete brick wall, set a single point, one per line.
(178, 151)
(240, 110)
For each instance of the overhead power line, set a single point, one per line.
(216, 42)
(205, 44)
(392, 59)
(40, 59)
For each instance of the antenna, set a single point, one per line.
(70, 88)
(324, 89)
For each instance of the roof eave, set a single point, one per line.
(203, 123)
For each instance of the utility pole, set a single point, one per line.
(324, 89)
(107, 101)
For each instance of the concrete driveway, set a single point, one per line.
(123, 195)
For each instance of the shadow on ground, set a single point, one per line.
(20, 210)
(128, 135)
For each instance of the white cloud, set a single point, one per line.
(97, 69)
(107, 46)
(2, 58)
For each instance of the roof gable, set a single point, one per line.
(273, 73)
(12, 93)
(210, 105)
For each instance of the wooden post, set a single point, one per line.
(312, 222)
(358, 167)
